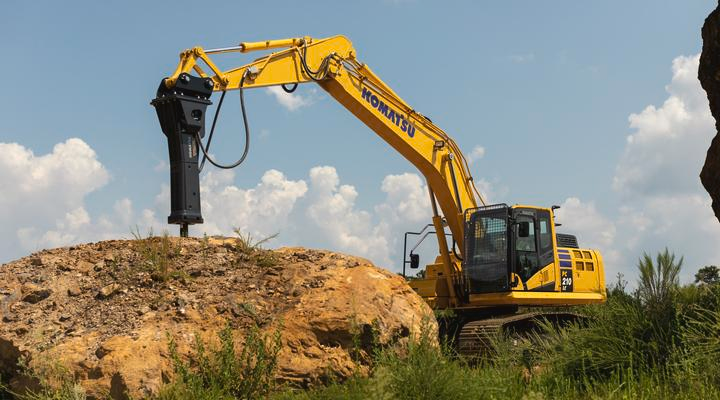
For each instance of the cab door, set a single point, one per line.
(534, 253)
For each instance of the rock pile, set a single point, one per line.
(105, 310)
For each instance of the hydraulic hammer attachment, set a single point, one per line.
(181, 111)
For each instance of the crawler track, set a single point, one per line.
(475, 338)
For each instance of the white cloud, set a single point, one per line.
(657, 177)
(657, 181)
(345, 228)
(522, 58)
(319, 212)
(69, 173)
(291, 101)
(45, 194)
(664, 155)
(592, 229)
(162, 166)
(583, 218)
(476, 154)
(45, 204)
(260, 211)
(407, 198)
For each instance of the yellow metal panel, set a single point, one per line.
(587, 278)
(542, 277)
(536, 298)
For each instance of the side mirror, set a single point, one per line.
(524, 229)
(414, 261)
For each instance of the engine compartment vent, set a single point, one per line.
(565, 240)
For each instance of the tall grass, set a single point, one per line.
(252, 250)
(223, 372)
(49, 380)
(156, 254)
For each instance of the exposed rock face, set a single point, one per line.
(709, 75)
(105, 310)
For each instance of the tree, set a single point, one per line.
(709, 274)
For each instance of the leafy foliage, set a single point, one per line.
(709, 274)
(52, 381)
(224, 373)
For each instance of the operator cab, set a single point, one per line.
(511, 249)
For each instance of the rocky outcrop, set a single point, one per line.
(105, 311)
(709, 75)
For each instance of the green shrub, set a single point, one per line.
(53, 382)
(223, 373)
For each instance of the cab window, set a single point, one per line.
(527, 243)
(526, 254)
(545, 235)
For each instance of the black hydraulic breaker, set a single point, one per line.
(181, 111)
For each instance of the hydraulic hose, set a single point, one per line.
(212, 129)
(205, 150)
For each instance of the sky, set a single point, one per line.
(594, 106)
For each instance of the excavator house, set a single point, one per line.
(492, 259)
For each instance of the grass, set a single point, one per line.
(157, 254)
(223, 372)
(51, 381)
(252, 251)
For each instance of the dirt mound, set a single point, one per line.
(105, 310)
(709, 75)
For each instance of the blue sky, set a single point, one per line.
(545, 88)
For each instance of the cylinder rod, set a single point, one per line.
(223, 50)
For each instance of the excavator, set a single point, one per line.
(495, 260)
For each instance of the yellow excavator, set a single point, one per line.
(499, 258)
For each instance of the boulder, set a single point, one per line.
(110, 326)
(709, 76)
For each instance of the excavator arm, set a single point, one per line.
(332, 64)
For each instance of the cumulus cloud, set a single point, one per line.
(43, 204)
(69, 172)
(664, 154)
(291, 101)
(596, 230)
(658, 185)
(657, 177)
(592, 228)
(43, 195)
(475, 154)
(318, 212)
(333, 213)
(260, 211)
